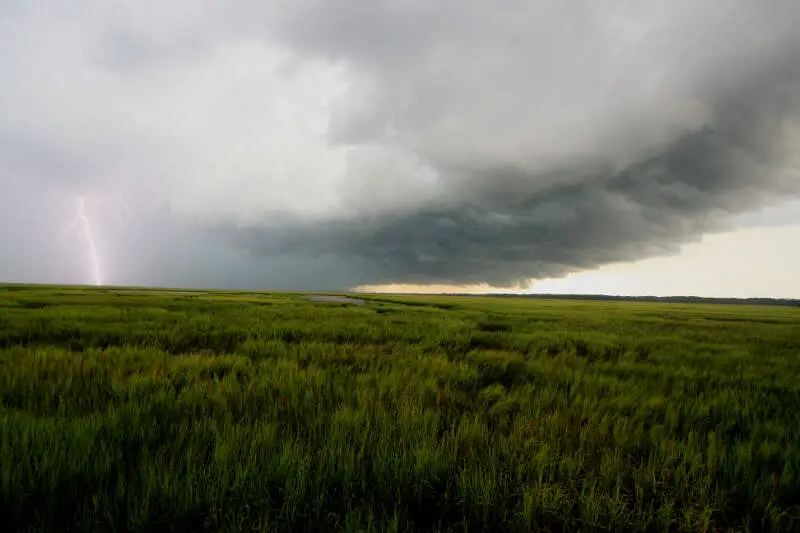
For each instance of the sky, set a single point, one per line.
(617, 147)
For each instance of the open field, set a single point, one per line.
(218, 411)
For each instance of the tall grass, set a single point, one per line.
(249, 412)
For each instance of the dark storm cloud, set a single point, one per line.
(505, 224)
(648, 209)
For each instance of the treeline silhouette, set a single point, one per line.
(787, 302)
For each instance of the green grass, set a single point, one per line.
(257, 412)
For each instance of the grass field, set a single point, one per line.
(260, 412)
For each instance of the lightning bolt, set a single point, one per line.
(86, 227)
(83, 223)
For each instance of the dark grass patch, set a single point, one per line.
(494, 327)
(745, 320)
(27, 304)
(488, 341)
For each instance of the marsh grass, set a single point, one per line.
(249, 411)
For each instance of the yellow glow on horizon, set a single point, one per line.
(751, 262)
(400, 288)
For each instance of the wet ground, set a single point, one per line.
(335, 299)
(145, 291)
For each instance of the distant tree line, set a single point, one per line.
(674, 299)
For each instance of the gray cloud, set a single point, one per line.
(315, 144)
(507, 221)
(648, 209)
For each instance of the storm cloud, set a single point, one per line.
(318, 144)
